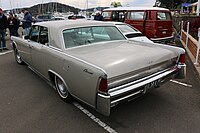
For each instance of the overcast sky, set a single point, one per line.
(9, 4)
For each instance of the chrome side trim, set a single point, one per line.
(54, 48)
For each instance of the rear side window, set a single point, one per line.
(163, 16)
(34, 34)
(43, 38)
(106, 14)
(135, 15)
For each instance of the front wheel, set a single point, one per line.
(18, 57)
(62, 90)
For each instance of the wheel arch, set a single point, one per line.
(14, 45)
(52, 75)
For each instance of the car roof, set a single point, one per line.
(56, 28)
(72, 23)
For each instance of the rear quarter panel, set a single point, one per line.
(82, 85)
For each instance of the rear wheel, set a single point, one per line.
(18, 57)
(62, 90)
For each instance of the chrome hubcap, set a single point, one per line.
(18, 58)
(62, 90)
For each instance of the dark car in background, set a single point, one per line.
(44, 17)
(76, 17)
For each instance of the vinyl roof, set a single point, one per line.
(72, 23)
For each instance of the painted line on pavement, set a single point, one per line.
(94, 118)
(6, 52)
(180, 83)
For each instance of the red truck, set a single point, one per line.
(153, 22)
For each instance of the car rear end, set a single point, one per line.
(128, 86)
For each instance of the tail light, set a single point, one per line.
(182, 59)
(103, 86)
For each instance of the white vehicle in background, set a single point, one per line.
(131, 33)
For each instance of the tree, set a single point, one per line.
(116, 4)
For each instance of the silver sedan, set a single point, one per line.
(93, 62)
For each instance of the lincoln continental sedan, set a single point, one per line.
(94, 62)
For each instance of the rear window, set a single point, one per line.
(89, 35)
(163, 16)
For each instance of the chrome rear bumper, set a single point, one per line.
(135, 88)
(163, 40)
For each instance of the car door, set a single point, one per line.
(39, 38)
(27, 45)
(25, 51)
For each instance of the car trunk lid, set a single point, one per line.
(122, 59)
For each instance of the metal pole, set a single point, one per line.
(198, 48)
(181, 30)
(188, 26)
